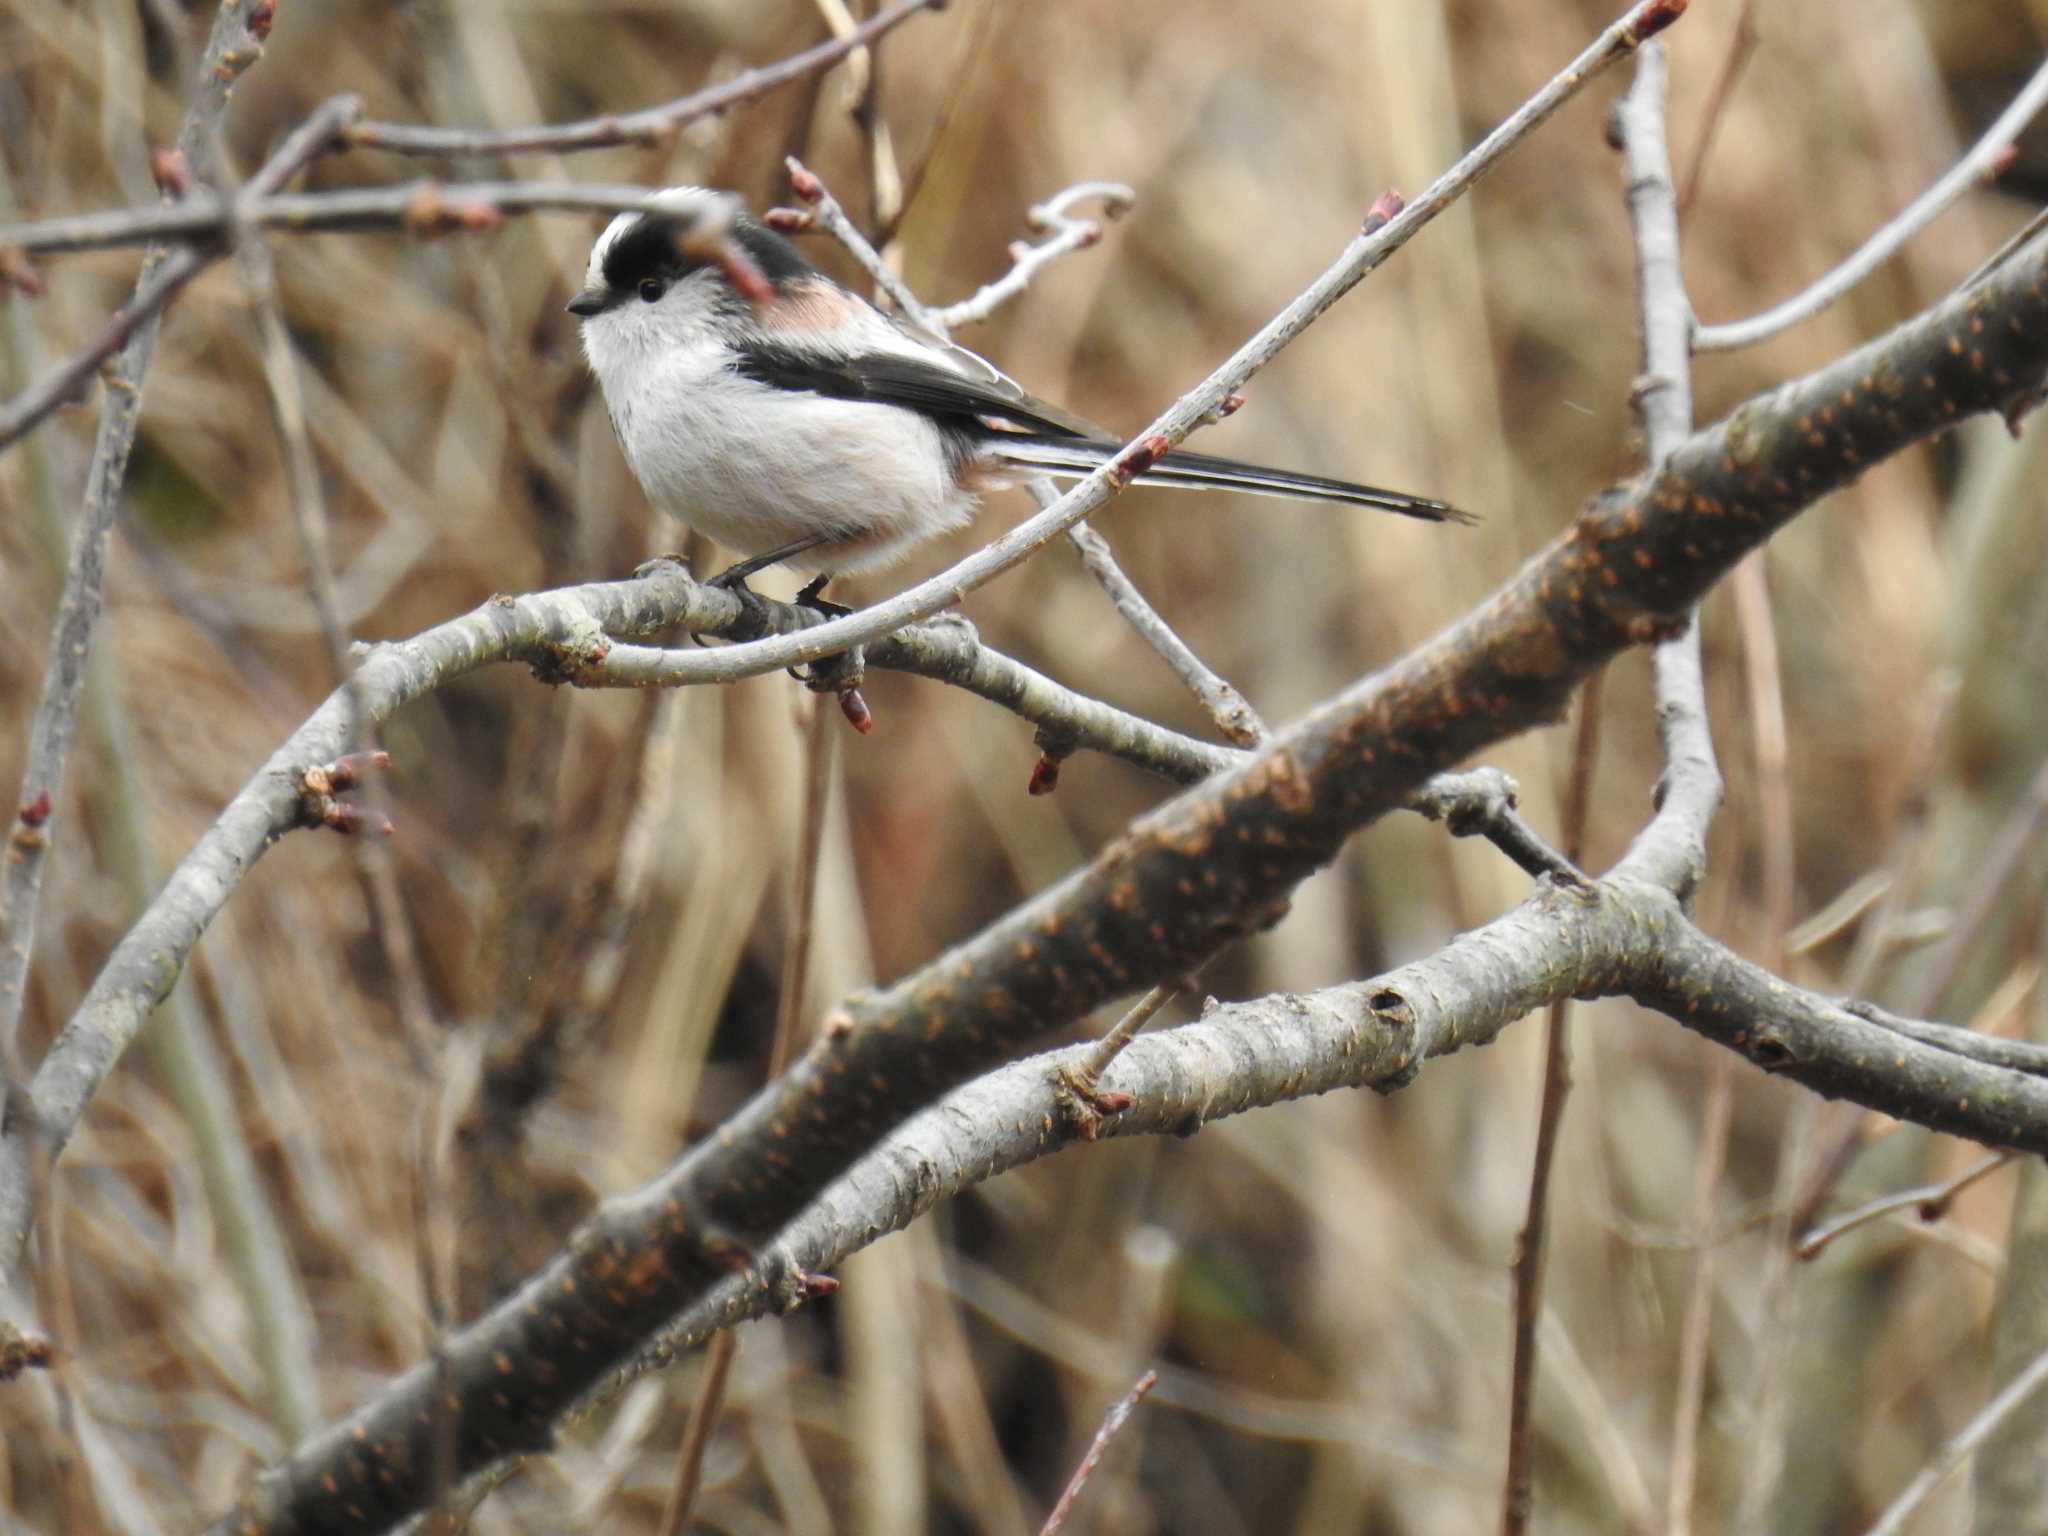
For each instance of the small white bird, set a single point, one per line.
(793, 422)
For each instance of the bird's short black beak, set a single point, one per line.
(591, 301)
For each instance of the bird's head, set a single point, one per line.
(658, 276)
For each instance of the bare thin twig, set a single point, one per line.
(697, 1430)
(1838, 1135)
(1695, 1325)
(1070, 235)
(437, 1124)
(417, 207)
(230, 49)
(1983, 162)
(69, 379)
(1121, 1033)
(1111, 1423)
(2008, 248)
(1740, 46)
(1691, 787)
(133, 326)
(2014, 845)
(1232, 712)
(1959, 1450)
(950, 652)
(652, 126)
(826, 213)
(2030, 1056)
(1767, 716)
(863, 94)
(1065, 234)
(1519, 1482)
(1930, 1202)
(1480, 802)
(304, 500)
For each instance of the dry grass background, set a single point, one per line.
(1328, 1280)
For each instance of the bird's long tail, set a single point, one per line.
(1070, 458)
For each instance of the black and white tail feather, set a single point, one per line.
(789, 419)
(1068, 458)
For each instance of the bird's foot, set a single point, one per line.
(840, 674)
(809, 598)
(753, 622)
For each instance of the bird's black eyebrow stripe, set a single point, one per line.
(648, 248)
(890, 379)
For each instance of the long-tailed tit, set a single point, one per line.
(794, 422)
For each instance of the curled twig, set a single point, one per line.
(1985, 160)
(1064, 235)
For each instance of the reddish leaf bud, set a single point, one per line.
(1654, 17)
(804, 184)
(1382, 211)
(855, 708)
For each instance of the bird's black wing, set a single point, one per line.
(987, 413)
(892, 378)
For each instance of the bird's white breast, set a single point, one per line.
(757, 467)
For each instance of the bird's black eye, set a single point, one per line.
(651, 288)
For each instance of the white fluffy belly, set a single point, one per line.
(756, 468)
